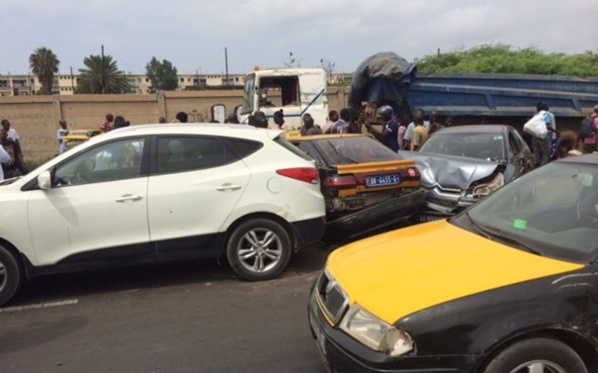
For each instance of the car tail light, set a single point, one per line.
(338, 181)
(309, 175)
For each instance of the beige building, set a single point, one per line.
(66, 84)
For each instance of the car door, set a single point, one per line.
(521, 153)
(196, 182)
(96, 208)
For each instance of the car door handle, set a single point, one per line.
(128, 197)
(228, 186)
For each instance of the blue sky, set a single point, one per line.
(193, 34)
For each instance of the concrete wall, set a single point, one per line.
(36, 118)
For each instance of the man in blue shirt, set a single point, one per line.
(391, 128)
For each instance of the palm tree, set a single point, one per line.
(102, 76)
(44, 63)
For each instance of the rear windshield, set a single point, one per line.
(350, 150)
(280, 140)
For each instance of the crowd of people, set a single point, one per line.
(398, 133)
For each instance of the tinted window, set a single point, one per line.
(116, 160)
(186, 153)
(243, 148)
(348, 150)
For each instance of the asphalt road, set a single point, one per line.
(184, 317)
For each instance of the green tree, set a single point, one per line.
(44, 63)
(162, 75)
(102, 75)
(500, 58)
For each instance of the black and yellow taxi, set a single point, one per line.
(510, 285)
(366, 186)
(76, 137)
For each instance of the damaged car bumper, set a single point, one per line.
(374, 218)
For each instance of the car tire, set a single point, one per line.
(11, 275)
(545, 355)
(259, 249)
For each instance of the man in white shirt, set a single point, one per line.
(10, 132)
(4, 158)
(60, 133)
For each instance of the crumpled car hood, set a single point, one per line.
(450, 172)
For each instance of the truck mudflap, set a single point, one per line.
(375, 218)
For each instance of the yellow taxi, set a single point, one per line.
(367, 187)
(76, 137)
(510, 285)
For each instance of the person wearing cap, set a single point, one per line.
(390, 134)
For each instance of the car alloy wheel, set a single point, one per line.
(10, 275)
(538, 355)
(259, 249)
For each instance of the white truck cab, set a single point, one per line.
(294, 90)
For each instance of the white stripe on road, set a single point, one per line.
(60, 303)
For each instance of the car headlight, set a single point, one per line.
(375, 333)
(487, 188)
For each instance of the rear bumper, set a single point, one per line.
(308, 231)
(376, 217)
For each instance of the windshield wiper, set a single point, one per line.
(495, 234)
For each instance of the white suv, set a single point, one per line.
(162, 192)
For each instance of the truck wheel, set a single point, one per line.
(10, 275)
(259, 249)
(537, 355)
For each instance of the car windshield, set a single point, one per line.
(349, 150)
(488, 146)
(552, 211)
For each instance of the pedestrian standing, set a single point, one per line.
(106, 125)
(309, 127)
(12, 135)
(60, 133)
(588, 134)
(11, 167)
(542, 147)
(4, 158)
(419, 136)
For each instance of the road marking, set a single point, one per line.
(68, 302)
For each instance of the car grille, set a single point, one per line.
(331, 297)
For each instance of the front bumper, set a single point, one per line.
(373, 218)
(342, 354)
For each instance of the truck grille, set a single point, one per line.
(331, 297)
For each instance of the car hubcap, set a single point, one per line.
(260, 250)
(539, 366)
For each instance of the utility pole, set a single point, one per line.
(102, 77)
(226, 64)
(72, 80)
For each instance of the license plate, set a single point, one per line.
(320, 343)
(382, 180)
(427, 218)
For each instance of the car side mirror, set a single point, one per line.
(44, 180)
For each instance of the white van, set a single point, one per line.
(294, 90)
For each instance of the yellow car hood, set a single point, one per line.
(401, 272)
